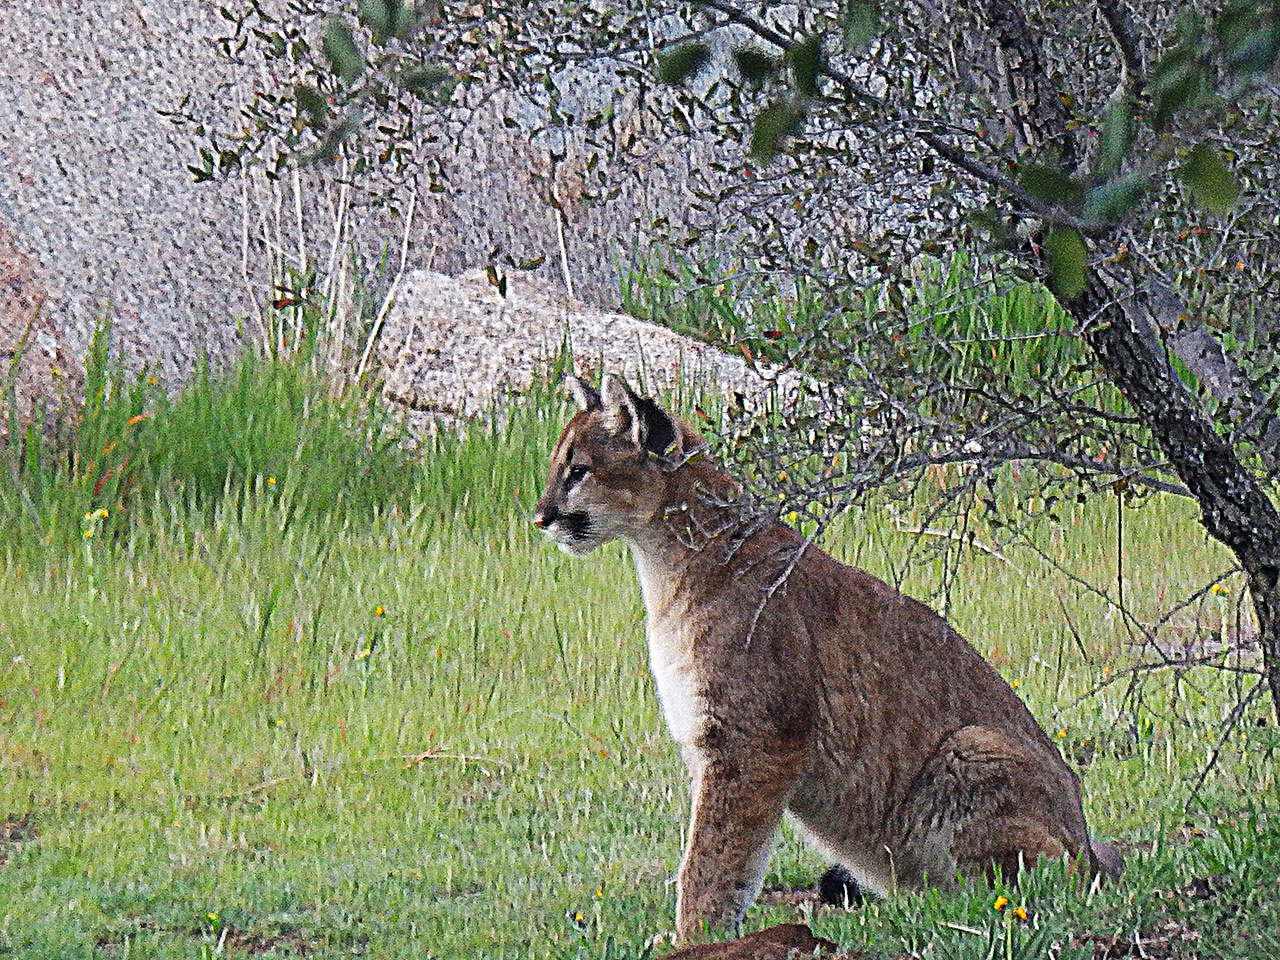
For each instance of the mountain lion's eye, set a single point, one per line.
(575, 475)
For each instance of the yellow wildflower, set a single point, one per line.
(379, 611)
(271, 481)
(1001, 902)
(1062, 734)
(104, 513)
(1021, 913)
(88, 534)
(1219, 590)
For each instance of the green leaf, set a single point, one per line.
(1116, 138)
(773, 125)
(1112, 200)
(682, 62)
(376, 15)
(1051, 185)
(806, 64)
(1066, 263)
(341, 51)
(1212, 185)
(861, 24)
(428, 81)
(1250, 44)
(1178, 81)
(754, 65)
(311, 105)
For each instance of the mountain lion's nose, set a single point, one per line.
(544, 516)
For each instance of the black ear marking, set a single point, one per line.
(658, 429)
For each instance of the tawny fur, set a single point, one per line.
(900, 752)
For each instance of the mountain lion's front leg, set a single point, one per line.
(736, 811)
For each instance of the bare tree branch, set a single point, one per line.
(1132, 69)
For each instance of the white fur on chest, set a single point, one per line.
(679, 691)
(671, 660)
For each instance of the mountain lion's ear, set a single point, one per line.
(639, 419)
(584, 395)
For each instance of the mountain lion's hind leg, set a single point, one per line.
(983, 800)
(735, 815)
(1009, 843)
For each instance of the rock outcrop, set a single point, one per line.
(452, 347)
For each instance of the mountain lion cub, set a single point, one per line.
(901, 753)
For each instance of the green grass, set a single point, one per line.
(389, 720)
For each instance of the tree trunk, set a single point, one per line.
(1234, 508)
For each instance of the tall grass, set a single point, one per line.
(959, 320)
(265, 421)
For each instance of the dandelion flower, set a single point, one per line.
(379, 611)
(103, 513)
(1062, 734)
(1001, 902)
(1015, 684)
(1219, 590)
(578, 917)
(279, 721)
(271, 481)
(1021, 913)
(88, 534)
(599, 893)
(212, 917)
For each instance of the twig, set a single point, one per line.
(961, 928)
(948, 151)
(415, 759)
(395, 286)
(774, 587)
(564, 252)
(1228, 726)
(244, 262)
(958, 538)
(1213, 660)
(257, 787)
(1132, 74)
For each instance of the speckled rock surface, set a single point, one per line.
(453, 346)
(94, 189)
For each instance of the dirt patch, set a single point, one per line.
(254, 943)
(13, 833)
(1166, 939)
(781, 942)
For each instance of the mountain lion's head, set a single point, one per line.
(612, 469)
